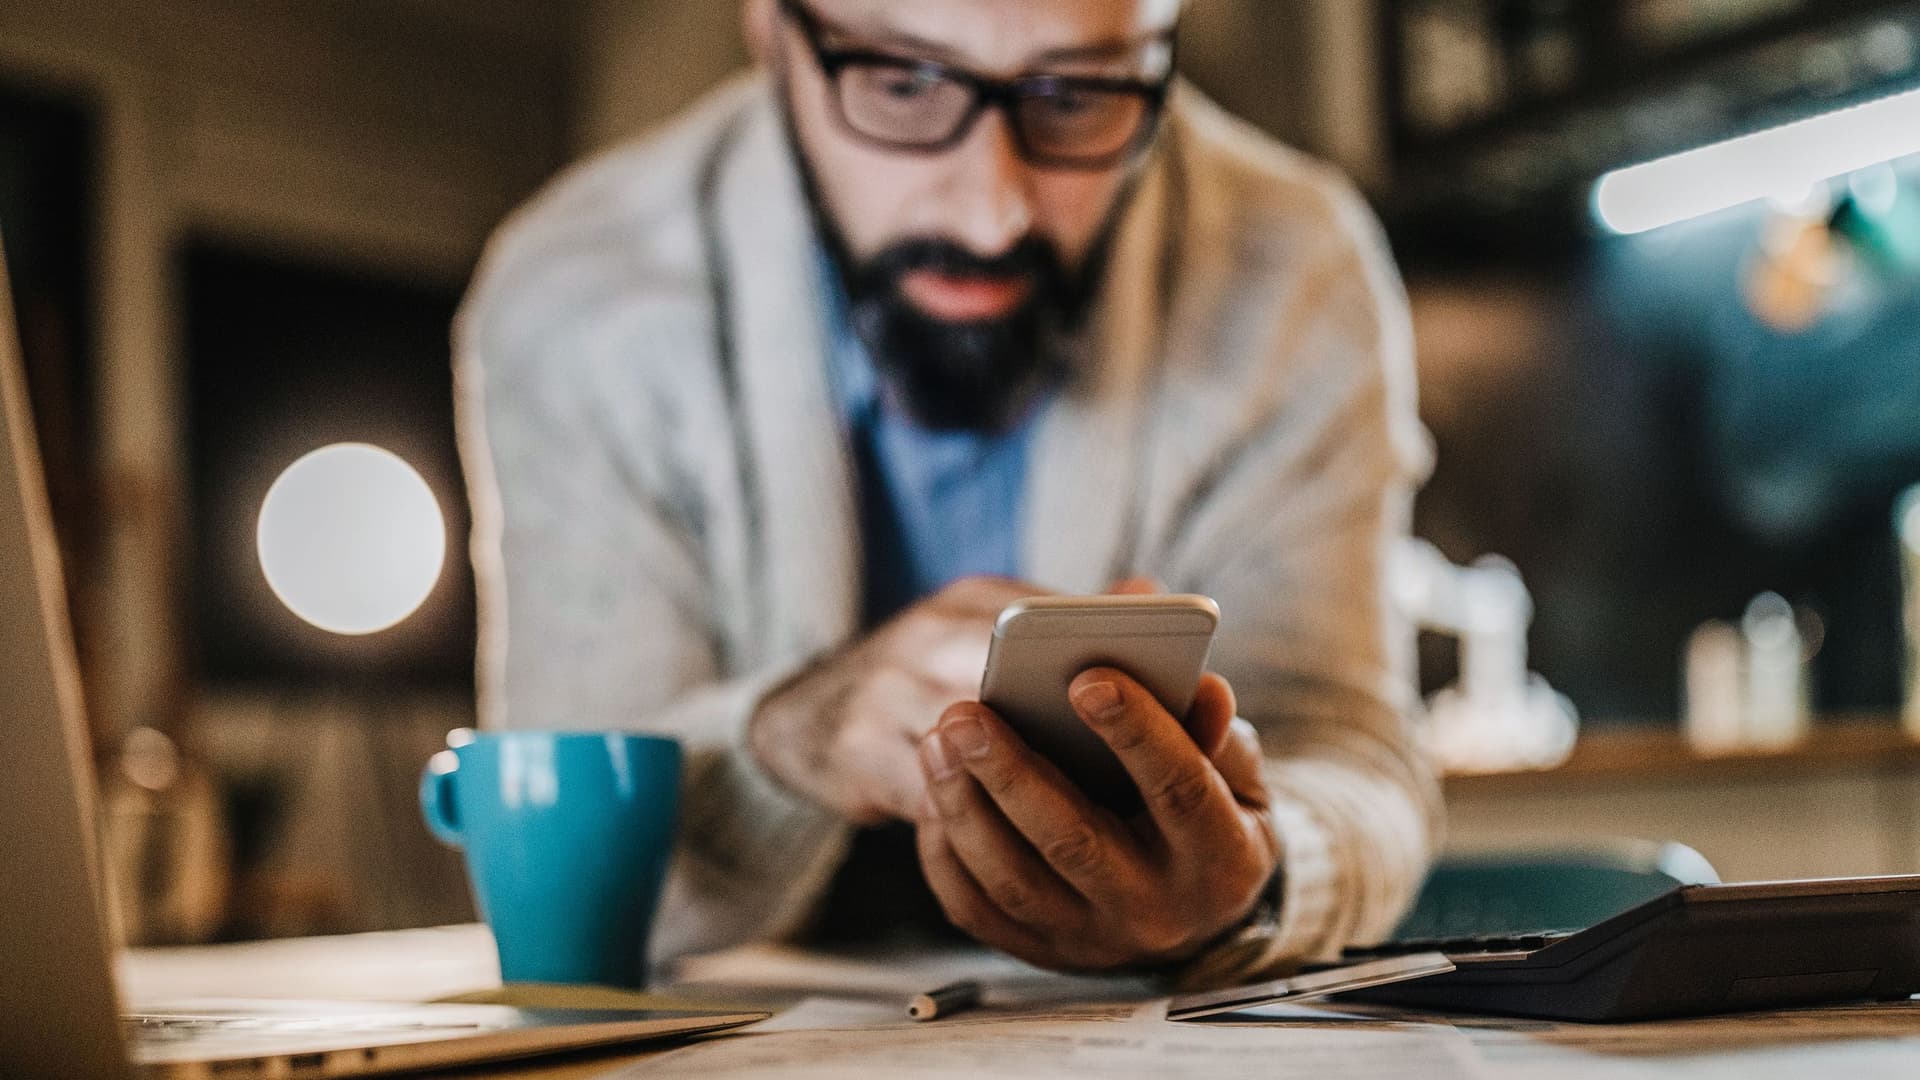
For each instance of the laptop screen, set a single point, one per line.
(56, 981)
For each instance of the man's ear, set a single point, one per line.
(760, 20)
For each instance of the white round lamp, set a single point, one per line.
(351, 539)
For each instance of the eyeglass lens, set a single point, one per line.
(902, 104)
(1074, 122)
(922, 107)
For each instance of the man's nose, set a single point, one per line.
(989, 203)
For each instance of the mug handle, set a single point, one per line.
(437, 802)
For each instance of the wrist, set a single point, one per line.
(785, 733)
(1238, 950)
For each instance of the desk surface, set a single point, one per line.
(1863, 1041)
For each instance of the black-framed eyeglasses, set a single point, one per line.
(925, 107)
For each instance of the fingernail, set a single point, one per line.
(1101, 700)
(967, 736)
(933, 751)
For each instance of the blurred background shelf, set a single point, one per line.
(1662, 756)
(1845, 802)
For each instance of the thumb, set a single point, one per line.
(1136, 586)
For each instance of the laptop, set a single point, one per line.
(60, 1014)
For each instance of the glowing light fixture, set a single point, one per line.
(1781, 162)
(351, 539)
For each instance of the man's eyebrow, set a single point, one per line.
(883, 35)
(1103, 50)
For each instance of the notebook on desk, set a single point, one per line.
(1696, 950)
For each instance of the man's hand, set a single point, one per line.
(1024, 862)
(843, 733)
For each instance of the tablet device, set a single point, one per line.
(1696, 950)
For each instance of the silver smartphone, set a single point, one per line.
(1041, 644)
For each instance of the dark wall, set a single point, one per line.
(46, 220)
(285, 357)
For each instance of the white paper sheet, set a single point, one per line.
(867, 1014)
(1016, 1049)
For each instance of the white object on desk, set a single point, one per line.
(1777, 711)
(1498, 717)
(1747, 687)
(1715, 719)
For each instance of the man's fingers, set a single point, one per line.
(1184, 793)
(876, 756)
(1136, 586)
(899, 699)
(1238, 760)
(879, 777)
(1078, 842)
(944, 638)
(1000, 861)
(966, 905)
(905, 786)
(1213, 709)
(954, 661)
(981, 596)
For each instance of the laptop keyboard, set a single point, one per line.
(1457, 948)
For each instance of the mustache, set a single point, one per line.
(1032, 258)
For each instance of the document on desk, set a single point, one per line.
(866, 1014)
(1016, 1049)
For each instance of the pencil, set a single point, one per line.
(945, 1001)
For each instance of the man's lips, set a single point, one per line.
(953, 298)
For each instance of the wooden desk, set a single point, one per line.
(1865, 1041)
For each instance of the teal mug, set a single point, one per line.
(567, 838)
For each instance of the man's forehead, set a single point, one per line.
(1005, 35)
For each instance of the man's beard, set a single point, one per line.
(980, 375)
(976, 375)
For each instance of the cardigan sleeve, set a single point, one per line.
(1292, 526)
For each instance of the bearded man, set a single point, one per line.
(768, 414)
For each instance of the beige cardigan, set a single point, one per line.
(665, 520)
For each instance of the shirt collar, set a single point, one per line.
(856, 386)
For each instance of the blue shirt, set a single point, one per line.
(935, 506)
